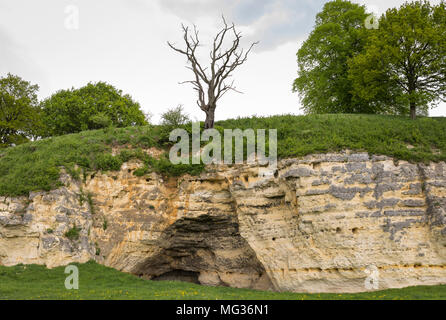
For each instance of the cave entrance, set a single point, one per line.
(207, 250)
(179, 275)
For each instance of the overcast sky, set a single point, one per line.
(123, 42)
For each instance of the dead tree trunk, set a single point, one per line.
(210, 118)
(211, 82)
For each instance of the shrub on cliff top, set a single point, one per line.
(94, 106)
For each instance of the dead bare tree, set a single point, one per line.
(211, 82)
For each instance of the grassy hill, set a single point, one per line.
(36, 166)
(99, 282)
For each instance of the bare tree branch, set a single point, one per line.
(212, 86)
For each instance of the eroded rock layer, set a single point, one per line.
(344, 222)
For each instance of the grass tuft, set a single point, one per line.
(73, 233)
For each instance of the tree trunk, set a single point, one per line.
(413, 111)
(210, 116)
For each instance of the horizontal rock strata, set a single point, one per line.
(315, 224)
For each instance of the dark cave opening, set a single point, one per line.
(201, 250)
(179, 275)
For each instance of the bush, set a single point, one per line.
(73, 233)
(107, 162)
(175, 117)
(97, 105)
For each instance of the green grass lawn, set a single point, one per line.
(99, 282)
(36, 166)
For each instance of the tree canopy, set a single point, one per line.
(93, 106)
(404, 62)
(19, 111)
(398, 68)
(323, 82)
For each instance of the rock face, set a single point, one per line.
(344, 222)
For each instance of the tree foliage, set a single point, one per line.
(93, 106)
(323, 82)
(175, 117)
(19, 111)
(404, 62)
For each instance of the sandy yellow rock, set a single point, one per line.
(316, 224)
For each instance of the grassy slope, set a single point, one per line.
(99, 282)
(35, 166)
(385, 135)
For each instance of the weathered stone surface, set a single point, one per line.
(315, 225)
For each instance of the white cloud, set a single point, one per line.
(273, 22)
(124, 43)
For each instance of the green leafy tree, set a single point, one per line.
(91, 107)
(19, 111)
(404, 61)
(175, 117)
(323, 83)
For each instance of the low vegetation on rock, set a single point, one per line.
(37, 165)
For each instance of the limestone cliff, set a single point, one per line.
(316, 224)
